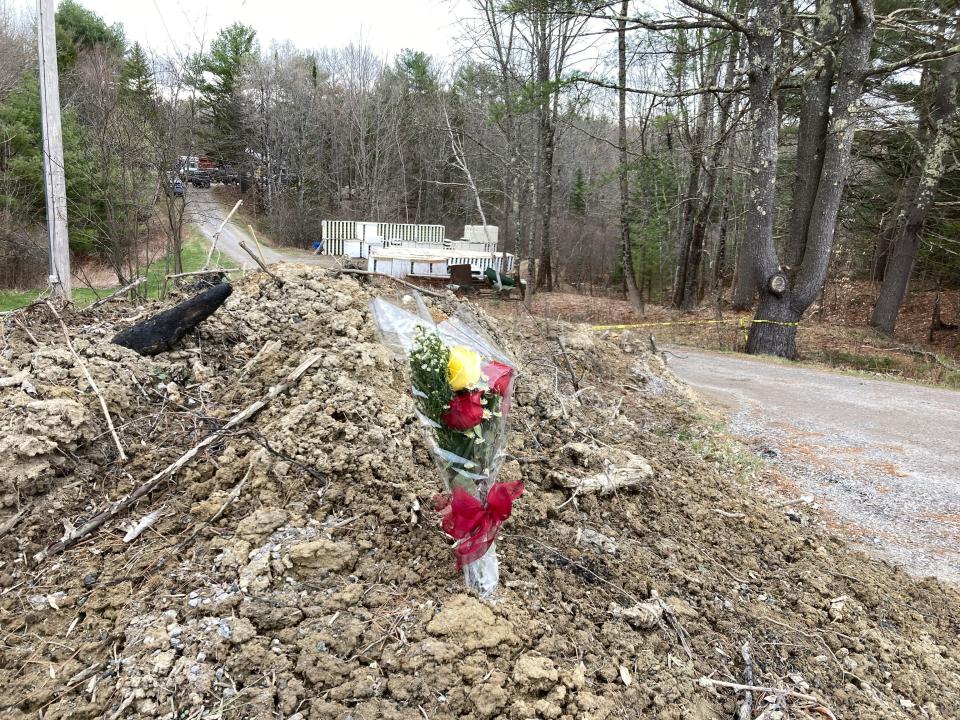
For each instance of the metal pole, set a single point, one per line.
(53, 178)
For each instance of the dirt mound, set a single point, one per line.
(295, 569)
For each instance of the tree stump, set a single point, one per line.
(161, 332)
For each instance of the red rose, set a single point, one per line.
(499, 376)
(466, 411)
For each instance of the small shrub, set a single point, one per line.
(23, 258)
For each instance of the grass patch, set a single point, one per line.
(856, 361)
(13, 299)
(951, 378)
(194, 255)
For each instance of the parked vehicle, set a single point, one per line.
(188, 165)
(174, 185)
(228, 175)
(200, 179)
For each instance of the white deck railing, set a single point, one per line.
(337, 234)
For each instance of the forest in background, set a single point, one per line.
(723, 153)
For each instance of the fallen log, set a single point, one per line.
(161, 332)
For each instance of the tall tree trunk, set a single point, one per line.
(532, 238)
(943, 120)
(756, 250)
(782, 304)
(908, 190)
(690, 295)
(544, 152)
(690, 203)
(175, 210)
(515, 186)
(545, 273)
(814, 118)
(626, 246)
(721, 254)
(888, 232)
(744, 285)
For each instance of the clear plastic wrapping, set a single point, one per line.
(462, 384)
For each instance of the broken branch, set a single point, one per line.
(260, 262)
(126, 288)
(121, 505)
(216, 235)
(255, 240)
(566, 360)
(705, 681)
(745, 711)
(93, 383)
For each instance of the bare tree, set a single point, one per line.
(16, 48)
(937, 130)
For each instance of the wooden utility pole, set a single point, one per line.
(626, 244)
(53, 178)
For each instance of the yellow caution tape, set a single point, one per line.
(659, 324)
(741, 322)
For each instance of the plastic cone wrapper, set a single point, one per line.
(462, 384)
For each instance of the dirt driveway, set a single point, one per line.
(882, 457)
(207, 214)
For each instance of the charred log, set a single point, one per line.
(163, 331)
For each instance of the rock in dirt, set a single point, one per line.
(261, 523)
(35, 436)
(535, 672)
(597, 541)
(468, 621)
(620, 470)
(321, 556)
(642, 616)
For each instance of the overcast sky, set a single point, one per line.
(387, 26)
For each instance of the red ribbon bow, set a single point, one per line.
(475, 524)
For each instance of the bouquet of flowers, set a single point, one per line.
(462, 385)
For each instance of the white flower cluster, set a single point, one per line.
(428, 351)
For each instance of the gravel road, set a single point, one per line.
(207, 214)
(882, 457)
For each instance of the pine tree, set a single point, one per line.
(221, 104)
(578, 196)
(136, 80)
(81, 29)
(21, 166)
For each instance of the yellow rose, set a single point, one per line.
(463, 370)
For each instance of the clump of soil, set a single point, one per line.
(296, 569)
